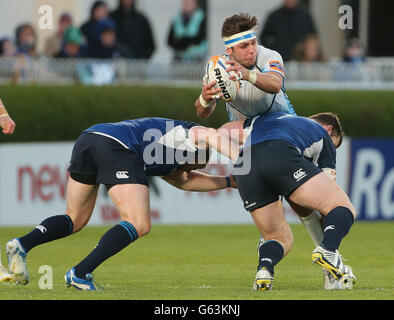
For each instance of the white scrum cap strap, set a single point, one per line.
(239, 38)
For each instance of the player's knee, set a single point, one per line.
(345, 204)
(78, 221)
(284, 237)
(142, 227)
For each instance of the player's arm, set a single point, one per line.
(198, 181)
(270, 81)
(206, 102)
(227, 139)
(6, 123)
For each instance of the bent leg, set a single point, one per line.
(80, 203)
(132, 202)
(324, 195)
(321, 193)
(271, 222)
(311, 219)
(81, 199)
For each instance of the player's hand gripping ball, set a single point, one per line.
(216, 70)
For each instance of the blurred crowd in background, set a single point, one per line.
(127, 33)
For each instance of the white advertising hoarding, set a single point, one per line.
(33, 184)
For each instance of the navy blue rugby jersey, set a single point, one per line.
(308, 136)
(162, 144)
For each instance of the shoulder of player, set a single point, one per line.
(265, 55)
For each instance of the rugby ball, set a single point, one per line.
(216, 70)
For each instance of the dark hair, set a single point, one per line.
(330, 119)
(238, 23)
(19, 29)
(95, 5)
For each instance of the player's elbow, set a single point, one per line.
(275, 83)
(276, 86)
(203, 114)
(276, 89)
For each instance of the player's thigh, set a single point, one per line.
(300, 211)
(132, 202)
(272, 224)
(81, 199)
(321, 193)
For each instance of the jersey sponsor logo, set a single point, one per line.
(122, 174)
(299, 174)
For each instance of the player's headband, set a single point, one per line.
(239, 38)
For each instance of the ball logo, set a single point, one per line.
(221, 83)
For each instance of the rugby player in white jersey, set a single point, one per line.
(262, 74)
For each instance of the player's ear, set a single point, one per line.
(329, 129)
(229, 51)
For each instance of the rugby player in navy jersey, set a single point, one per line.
(120, 156)
(287, 155)
(262, 90)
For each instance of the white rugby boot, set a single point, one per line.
(329, 260)
(5, 276)
(17, 262)
(263, 281)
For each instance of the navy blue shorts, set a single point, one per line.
(97, 159)
(277, 169)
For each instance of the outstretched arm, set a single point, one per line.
(199, 181)
(227, 139)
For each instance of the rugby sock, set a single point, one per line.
(313, 225)
(113, 241)
(50, 229)
(336, 226)
(270, 253)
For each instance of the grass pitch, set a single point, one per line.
(206, 263)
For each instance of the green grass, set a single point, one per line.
(207, 263)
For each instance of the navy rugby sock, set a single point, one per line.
(113, 241)
(50, 229)
(336, 226)
(270, 253)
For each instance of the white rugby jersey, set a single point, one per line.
(252, 101)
